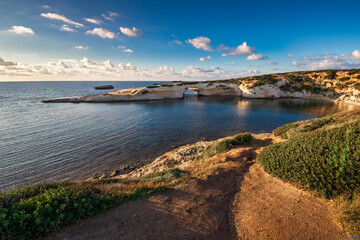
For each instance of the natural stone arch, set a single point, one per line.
(191, 91)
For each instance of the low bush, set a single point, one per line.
(331, 74)
(284, 129)
(326, 161)
(343, 79)
(225, 145)
(35, 211)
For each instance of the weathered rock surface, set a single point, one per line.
(344, 86)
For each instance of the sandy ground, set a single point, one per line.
(236, 201)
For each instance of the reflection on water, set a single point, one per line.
(73, 141)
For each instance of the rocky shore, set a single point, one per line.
(335, 85)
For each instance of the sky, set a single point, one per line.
(46, 40)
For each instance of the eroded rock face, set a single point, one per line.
(281, 88)
(161, 91)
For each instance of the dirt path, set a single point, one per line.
(237, 201)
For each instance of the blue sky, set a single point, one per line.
(174, 40)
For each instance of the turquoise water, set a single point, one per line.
(56, 141)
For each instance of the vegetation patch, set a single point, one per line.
(330, 74)
(324, 160)
(283, 130)
(343, 79)
(286, 87)
(225, 145)
(39, 210)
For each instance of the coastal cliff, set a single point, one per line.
(337, 85)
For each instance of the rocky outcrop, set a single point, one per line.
(173, 90)
(337, 85)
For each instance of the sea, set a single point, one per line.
(44, 142)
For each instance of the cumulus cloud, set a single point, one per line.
(254, 57)
(200, 43)
(55, 16)
(92, 20)
(272, 63)
(290, 55)
(164, 70)
(21, 30)
(242, 49)
(354, 56)
(128, 50)
(80, 47)
(203, 59)
(134, 32)
(66, 28)
(6, 63)
(333, 62)
(70, 69)
(101, 32)
(46, 6)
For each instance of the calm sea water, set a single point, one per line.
(57, 141)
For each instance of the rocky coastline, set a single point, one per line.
(333, 85)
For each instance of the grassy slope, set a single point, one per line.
(36, 211)
(322, 155)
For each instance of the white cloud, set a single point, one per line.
(21, 30)
(128, 50)
(242, 49)
(55, 16)
(354, 56)
(254, 57)
(134, 32)
(332, 62)
(80, 47)
(92, 20)
(164, 70)
(272, 63)
(203, 59)
(230, 63)
(66, 28)
(6, 63)
(46, 6)
(200, 43)
(70, 69)
(101, 32)
(290, 55)
(305, 59)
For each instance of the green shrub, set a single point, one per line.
(357, 86)
(284, 129)
(358, 76)
(317, 123)
(326, 161)
(331, 74)
(168, 175)
(286, 87)
(343, 79)
(35, 211)
(225, 145)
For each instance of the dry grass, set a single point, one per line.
(348, 213)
